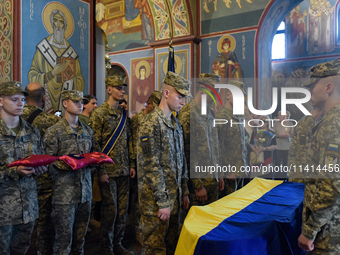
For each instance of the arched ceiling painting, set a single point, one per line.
(130, 24)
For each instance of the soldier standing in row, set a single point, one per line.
(153, 101)
(232, 144)
(321, 204)
(19, 199)
(33, 113)
(203, 140)
(111, 129)
(71, 190)
(162, 171)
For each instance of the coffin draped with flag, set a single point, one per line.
(262, 218)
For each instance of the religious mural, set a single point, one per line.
(310, 28)
(60, 58)
(142, 81)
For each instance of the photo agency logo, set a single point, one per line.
(239, 101)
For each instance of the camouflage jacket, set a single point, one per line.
(103, 122)
(43, 121)
(200, 142)
(18, 200)
(135, 121)
(232, 141)
(69, 186)
(162, 172)
(321, 212)
(299, 147)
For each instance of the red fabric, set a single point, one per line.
(79, 161)
(34, 161)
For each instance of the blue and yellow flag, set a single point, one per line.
(264, 217)
(171, 59)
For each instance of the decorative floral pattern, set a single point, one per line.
(6, 37)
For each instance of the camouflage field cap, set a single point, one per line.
(155, 97)
(115, 80)
(209, 78)
(73, 95)
(10, 88)
(323, 70)
(178, 82)
(239, 84)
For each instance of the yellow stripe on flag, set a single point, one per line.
(202, 219)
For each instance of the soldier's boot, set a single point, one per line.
(120, 250)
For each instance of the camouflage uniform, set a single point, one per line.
(232, 146)
(45, 230)
(18, 200)
(321, 211)
(205, 149)
(162, 174)
(115, 194)
(155, 99)
(71, 190)
(299, 147)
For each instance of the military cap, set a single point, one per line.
(209, 78)
(238, 84)
(115, 80)
(10, 88)
(323, 70)
(155, 97)
(73, 95)
(178, 82)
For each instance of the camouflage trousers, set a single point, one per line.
(211, 187)
(45, 229)
(115, 202)
(70, 224)
(159, 237)
(15, 239)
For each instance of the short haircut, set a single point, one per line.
(54, 12)
(89, 97)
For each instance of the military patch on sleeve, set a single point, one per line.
(331, 159)
(146, 145)
(332, 154)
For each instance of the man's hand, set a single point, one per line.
(164, 214)
(305, 244)
(104, 178)
(221, 183)
(132, 173)
(40, 170)
(201, 194)
(185, 202)
(58, 68)
(25, 170)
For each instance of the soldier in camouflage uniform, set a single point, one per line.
(162, 171)
(321, 212)
(153, 101)
(300, 143)
(71, 190)
(19, 199)
(204, 142)
(232, 142)
(113, 179)
(42, 121)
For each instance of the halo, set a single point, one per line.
(178, 65)
(231, 46)
(46, 18)
(147, 68)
